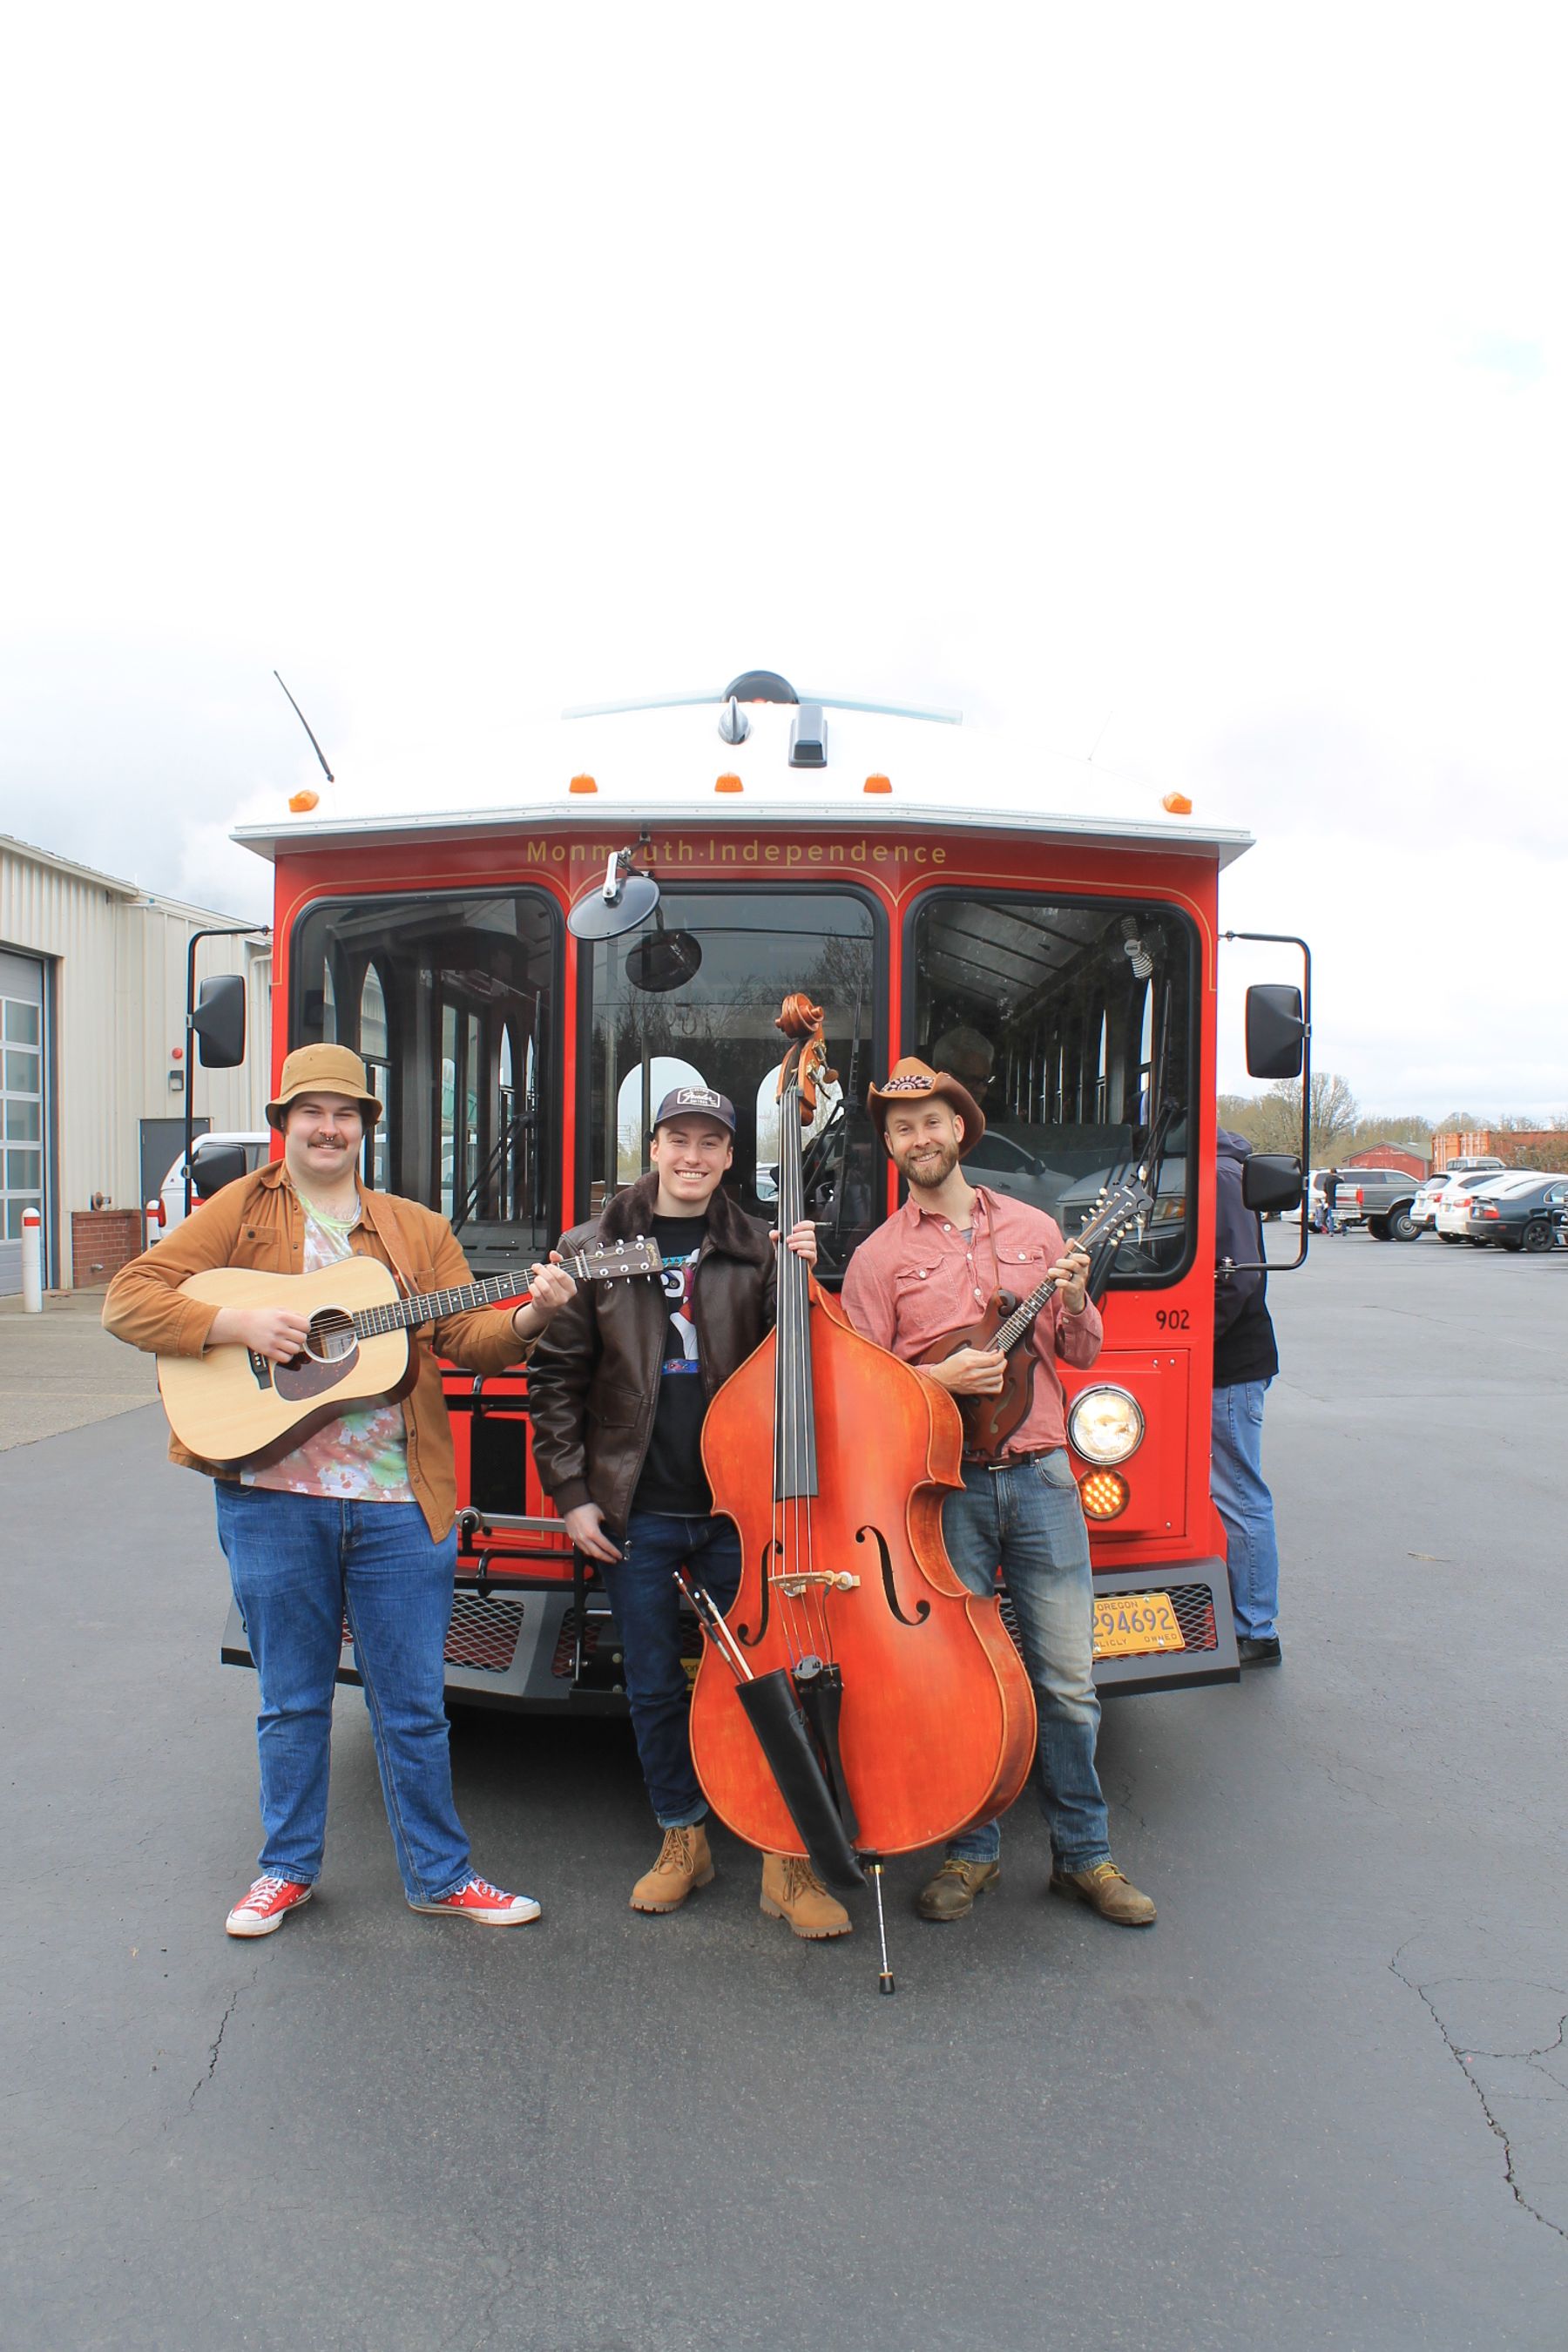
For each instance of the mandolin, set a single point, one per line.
(989, 1421)
(234, 1405)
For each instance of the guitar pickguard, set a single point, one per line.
(305, 1377)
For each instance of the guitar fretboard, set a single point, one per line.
(430, 1306)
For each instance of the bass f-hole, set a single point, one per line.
(889, 1586)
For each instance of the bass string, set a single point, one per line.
(819, 1638)
(793, 1403)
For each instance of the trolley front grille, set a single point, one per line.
(483, 1635)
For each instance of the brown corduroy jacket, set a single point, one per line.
(258, 1223)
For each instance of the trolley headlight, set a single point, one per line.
(1105, 1425)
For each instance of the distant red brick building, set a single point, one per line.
(1388, 1155)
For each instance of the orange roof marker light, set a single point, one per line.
(304, 803)
(728, 784)
(878, 785)
(583, 785)
(1176, 804)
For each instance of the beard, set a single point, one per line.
(931, 1171)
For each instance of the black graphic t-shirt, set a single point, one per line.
(673, 1478)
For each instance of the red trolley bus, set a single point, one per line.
(937, 896)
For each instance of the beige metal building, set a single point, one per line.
(92, 1005)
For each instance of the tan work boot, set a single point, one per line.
(957, 1886)
(684, 1861)
(1105, 1890)
(793, 1890)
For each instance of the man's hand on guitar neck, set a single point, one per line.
(548, 1293)
(276, 1332)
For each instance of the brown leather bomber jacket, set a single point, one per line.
(258, 1223)
(593, 1381)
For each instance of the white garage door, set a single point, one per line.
(22, 1126)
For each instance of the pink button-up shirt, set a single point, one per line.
(918, 1275)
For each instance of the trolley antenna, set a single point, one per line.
(306, 725)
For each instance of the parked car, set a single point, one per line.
(1424, 1207)
(1452, 1219)
(171, 1208)
(1527, 1216)
(1381, 1199)
(1312, 1202)
(1453, 1206)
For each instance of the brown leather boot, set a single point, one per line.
(957, 1886)
(684, 1861)
(793, 1890)
(1105, 1890)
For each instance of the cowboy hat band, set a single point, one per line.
(914, 1081)
(322, 1070)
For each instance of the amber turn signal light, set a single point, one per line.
(728, 785)
(581, 784)
(304, 803)
(1105, 1495)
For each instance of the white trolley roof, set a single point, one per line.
(659, 765)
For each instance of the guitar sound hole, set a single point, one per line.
(331, 1337)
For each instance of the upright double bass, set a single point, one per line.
(832, 1457)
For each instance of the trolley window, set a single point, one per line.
(450, 999)
(691, 1000)
(1071, 1023)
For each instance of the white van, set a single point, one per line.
(171, 1205)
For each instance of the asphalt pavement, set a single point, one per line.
(1321, 2106)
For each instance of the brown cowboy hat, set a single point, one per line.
(322, 1070)
(914, 1081)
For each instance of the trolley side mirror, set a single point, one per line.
(219, 1022)
(1271, 1181)
(1275, 1032)
(220, 1164)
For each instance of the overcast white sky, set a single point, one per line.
(1188, 382)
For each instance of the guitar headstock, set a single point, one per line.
(616, 1261)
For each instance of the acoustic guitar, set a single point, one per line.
(989, 1421)
(233, 1405)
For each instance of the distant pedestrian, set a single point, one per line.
(1331, 1195)
(1246, 1360)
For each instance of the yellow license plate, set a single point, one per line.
(1133, 1624)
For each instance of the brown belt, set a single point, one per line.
(1007, 1461)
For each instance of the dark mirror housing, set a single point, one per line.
(219, 1022)
(1272, 1181)
(1276, 1031)
(213, 1168)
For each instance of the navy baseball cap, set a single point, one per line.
(701, 1101)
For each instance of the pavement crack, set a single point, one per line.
(222, 2028)
(1460, 2058)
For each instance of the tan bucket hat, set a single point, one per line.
(914, 1081)
(324, 1070)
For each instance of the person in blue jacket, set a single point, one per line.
(1246, 1360)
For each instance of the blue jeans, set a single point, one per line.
(299, 1564)
(1247, 1507)
(1028, 1521)
(642, 1593)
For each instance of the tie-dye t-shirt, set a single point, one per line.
(361, 1457)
